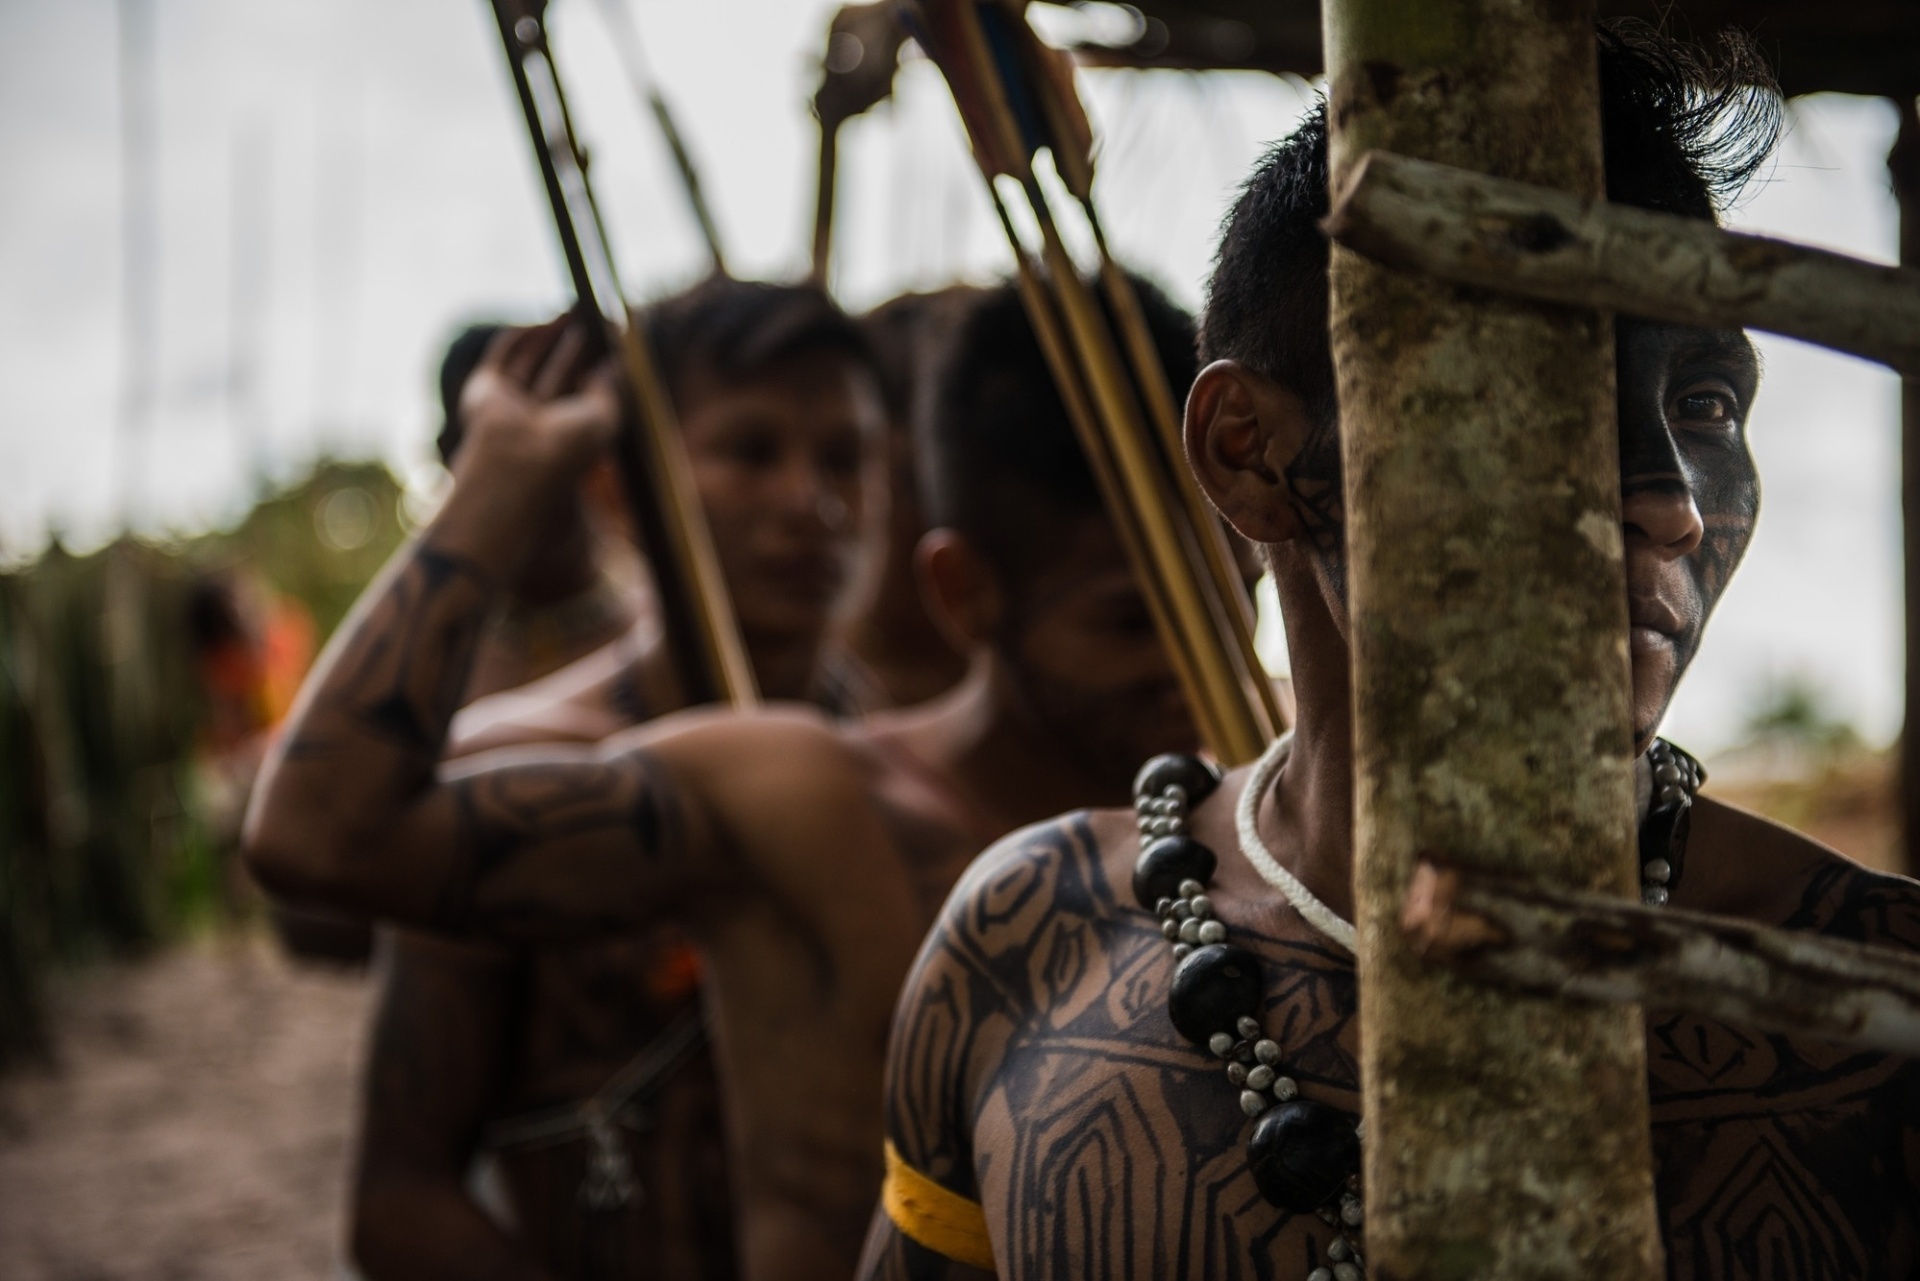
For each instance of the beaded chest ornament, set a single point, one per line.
(1304, 1156)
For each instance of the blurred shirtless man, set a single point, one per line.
(806, 859)
(1046, 1117)
(891, 630)
(581, 1069)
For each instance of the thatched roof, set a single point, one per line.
(1849, 46)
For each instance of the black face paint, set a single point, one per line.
(1315, 481)
(1689, 492)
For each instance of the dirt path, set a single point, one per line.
(195, 1127)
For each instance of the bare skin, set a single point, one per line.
(572, 604)
(806, 858)
(466, 1036)
(890, 629)
(620, 685)
(1100, 1143)
(571, 597)
(469, 1036)
(590, 699)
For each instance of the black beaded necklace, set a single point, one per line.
(1305, 1156)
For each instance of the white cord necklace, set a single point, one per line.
(1247, 823)
(1665, 780)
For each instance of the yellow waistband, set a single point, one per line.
(941, 1220)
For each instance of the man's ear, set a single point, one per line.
(1243, 430)
(961, 591)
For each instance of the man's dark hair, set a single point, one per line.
(1683, 133)
(999, 460)
(737, 329)
(909, 336)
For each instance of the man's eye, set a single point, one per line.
(752, 451)
(1707, 409)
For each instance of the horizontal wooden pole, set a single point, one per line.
(1598, 948)
(1511, 236)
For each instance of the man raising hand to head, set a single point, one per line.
(805, 858)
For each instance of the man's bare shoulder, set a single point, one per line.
(708, 751)
(791, 792)
(1036, 1068)
(1016, 932)
(1814, 1140)
(1015, 935)
(778, 741)
(1037, 874)
(1766, 871)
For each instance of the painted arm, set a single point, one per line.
(929, 1225)
(353, 810)
(438, 1036)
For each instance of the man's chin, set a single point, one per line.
(790, 620)
(1649, 710)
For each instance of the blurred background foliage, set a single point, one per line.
(1801, 762)
(137, 686)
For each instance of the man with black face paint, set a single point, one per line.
(1688, 489)
(805, 858)
(1047, 1117)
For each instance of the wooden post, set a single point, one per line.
(1903, 165)
(1507, 1136)
(1593, 947)
(1518, 238)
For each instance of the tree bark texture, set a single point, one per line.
(1595, 948)
(1545, 244)
(1507, 1136)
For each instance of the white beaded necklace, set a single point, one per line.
(1247, 823)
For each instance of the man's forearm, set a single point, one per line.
(401, 664)
(399, 667)
(356, 811)
(366, 737)
(346, 810)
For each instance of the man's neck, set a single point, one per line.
(1309, 820)
(785, 668)
(1012, 772)
(785, 664)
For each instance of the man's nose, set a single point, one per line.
(1659, 512)
(1656, 498)
(808, 492)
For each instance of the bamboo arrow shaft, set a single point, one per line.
(697, 614)
(1109, 372)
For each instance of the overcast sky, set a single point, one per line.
(369, 156)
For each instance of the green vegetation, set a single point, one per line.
(1796, 712)
(119, 794)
